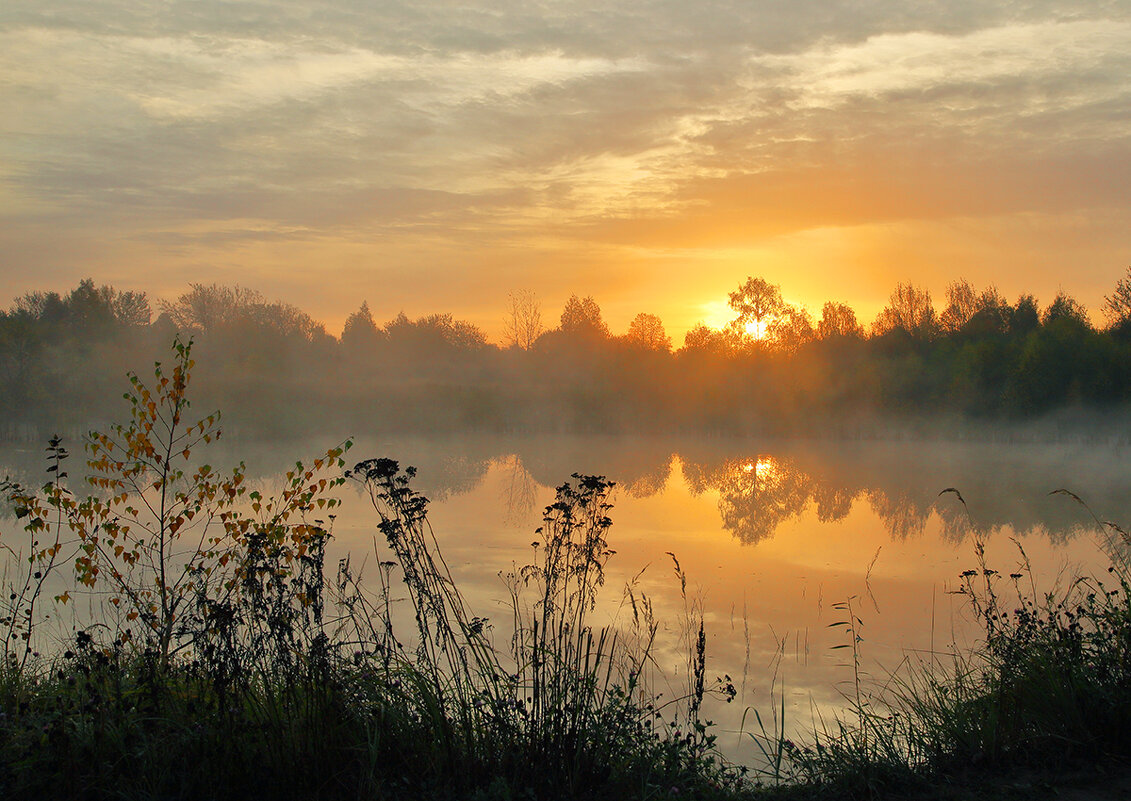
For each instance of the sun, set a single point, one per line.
(755, 329)
(763, 467)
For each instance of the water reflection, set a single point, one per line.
(759, 491)
(520, 490)
(756, 493)
(760, 487)
(771, 534)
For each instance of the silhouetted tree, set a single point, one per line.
(203, 308)
(434, 330)
(791, 328)
(701, 338)
(909, 310)
(523, 323)
(132, 309)
(582, 316)
(755, 302)
(1063, 361)
(1065, 306)
(647, 331)
(271, 365)
(360, 335)
(44, 307)
(838, 320)
(20, 342)
(1025, 316)
(992, 316)
(1117, 305)
(90, 310)
(961, 304)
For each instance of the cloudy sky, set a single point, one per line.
(433, 156)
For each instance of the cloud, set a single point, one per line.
(897, 64)
(597, 135)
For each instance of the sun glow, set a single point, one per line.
(756, 329)
(761, 467)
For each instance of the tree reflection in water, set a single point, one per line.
(761, 489)
(649, 482)
(520, 490)
(758, 492)
(756, 495)
(902, 515)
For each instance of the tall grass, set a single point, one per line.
(1047, 687)
(564, 709)
(297, 684)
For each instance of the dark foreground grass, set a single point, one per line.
(1043, 700)
(275, 697)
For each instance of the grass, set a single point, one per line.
(1045, 692)
(295, 686)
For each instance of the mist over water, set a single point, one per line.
(770, 534)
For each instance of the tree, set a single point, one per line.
(242, 312)
(48, 307)
(1117, 305)
(1024, 316)
(1063, 361)
(459, 334)
(284, 320)
(756, 301)
(972, 313)
(523, 323)
(90, 310)
(961, 305)
(435, 331)
(703, 339)
(203, 308)
(1065, 307)
(582, 317)
(791, 328)
(838, 320)
(647, 331)
(991, 317)
(909, 310)
(132, 309)
(161, 531)
(360, 334)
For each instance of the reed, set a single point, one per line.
(1046, 689)
(291, 685)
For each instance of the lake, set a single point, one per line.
(771, 535)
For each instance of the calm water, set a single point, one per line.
(771, 536)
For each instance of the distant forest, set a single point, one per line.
(774, 370)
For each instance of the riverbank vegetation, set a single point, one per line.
(211, 654)
(176, 634)
(1045, 693)
(775, 369)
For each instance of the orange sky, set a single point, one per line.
(432, 156)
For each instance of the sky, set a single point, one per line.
(433, 156)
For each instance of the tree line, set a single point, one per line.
(774, 369)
